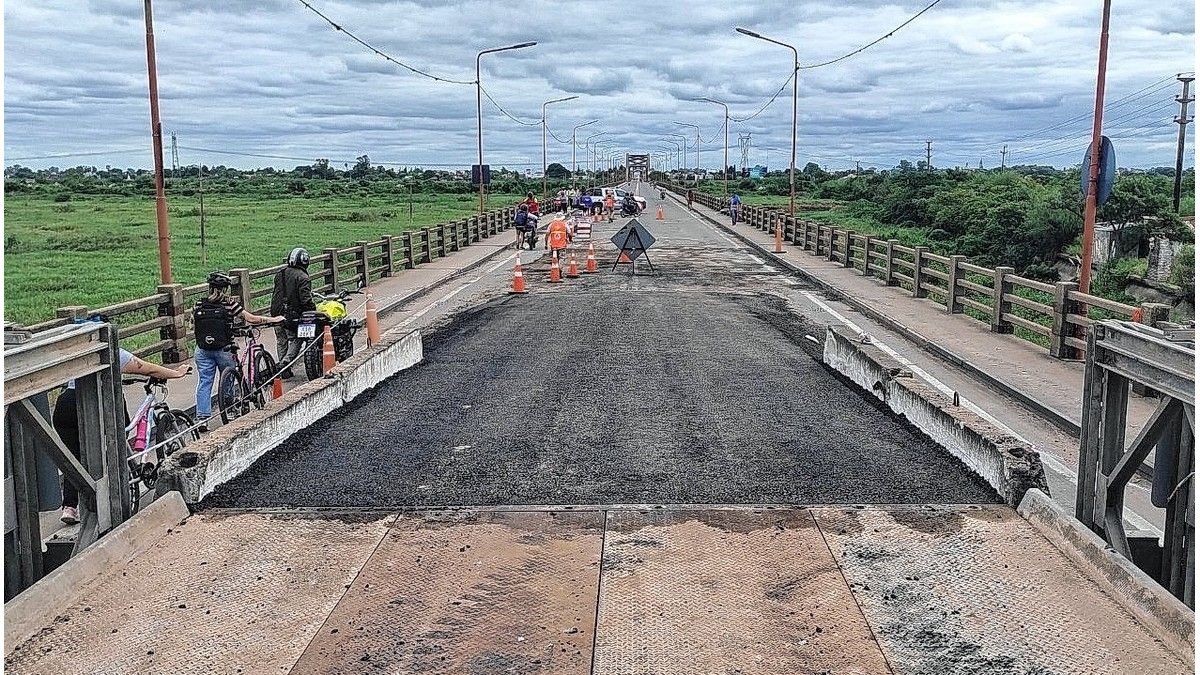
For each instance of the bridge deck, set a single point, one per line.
(877, 589)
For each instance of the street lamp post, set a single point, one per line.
(725, 166)
(545, 190)
(574, 166)
(792, 170)
(589, 149)
(479, 109)
(697, 128)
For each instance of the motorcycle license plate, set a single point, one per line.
(306, 330)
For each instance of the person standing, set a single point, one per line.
(213, 320)
(66, 419)
(532, 203)
(558, 235)
(610, 203)
(291, 296)
(735, 209)
(689, 197)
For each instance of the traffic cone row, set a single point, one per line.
(556, 273)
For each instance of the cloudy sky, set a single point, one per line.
(270, 77)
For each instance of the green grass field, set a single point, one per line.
(95, 251)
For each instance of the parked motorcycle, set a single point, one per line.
(310, 327)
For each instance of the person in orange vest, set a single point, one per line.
(609, 203)
(558, 235)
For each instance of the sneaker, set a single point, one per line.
(70, 515)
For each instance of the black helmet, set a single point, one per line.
(219, 280)
(522, 206)
(298, 258)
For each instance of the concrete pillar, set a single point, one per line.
(889, 275)
(410, 253)
(1060, 328)
(847, 242)
(331, 268)
(918, 266)
(955, 271)
(389, 252)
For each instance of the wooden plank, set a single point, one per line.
(20, 448)
(47, 438)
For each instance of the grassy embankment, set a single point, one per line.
(95, 250)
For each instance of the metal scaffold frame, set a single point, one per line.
(1120, 355)
(39, 364)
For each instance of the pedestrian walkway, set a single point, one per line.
(1051, 387)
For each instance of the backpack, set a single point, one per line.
(521, 219)
(213, 325)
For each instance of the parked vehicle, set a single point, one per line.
(155, 432)
(310, 328)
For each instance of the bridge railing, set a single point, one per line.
(159, 324)
(1052, 315)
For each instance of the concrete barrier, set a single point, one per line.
(39, 605)
(233, 448)
(1008, 464)
(1151, 604)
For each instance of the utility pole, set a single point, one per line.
(1003, 156)
(857, 167)
(1093, 169)
(174, 155)
(203, 237)
(160, 196)
(929, 155)
(1182, 121)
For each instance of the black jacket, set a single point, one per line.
(292, 294)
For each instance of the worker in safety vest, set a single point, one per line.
(609, 203)
(558, 235)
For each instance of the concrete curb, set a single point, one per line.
(1031, 402)
(1162, 613)
(233, 448)
(1010, 465)
(38, 606)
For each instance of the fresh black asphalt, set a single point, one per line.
(614, 390)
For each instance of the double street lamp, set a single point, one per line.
(697, 128)
(544, 177)
(792, 170)
(725, 166)
(479, 110)
(574, 166)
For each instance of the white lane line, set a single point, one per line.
(470, 282)
(698, 219)
(1050, 461)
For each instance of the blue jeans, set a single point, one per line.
(208, 363)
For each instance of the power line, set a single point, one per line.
(1112, 105)
(768, 103)
(874, 42)
(505, 112)
(417, 71)
(74, 154)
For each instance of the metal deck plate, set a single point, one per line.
(978, 590)
(726, 591)
(490, 592)
(219, 594)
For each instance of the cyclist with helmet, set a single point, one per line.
(291, 297)
(213, 320)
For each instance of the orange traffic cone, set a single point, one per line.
(624, 258)
(659, 214)
(372, 321)
(590, 268)
(555, 270)
(518, 286)
(328, 355)
(572, 267)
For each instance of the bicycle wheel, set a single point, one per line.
(264, 372)
(233, 395)
(174, 428)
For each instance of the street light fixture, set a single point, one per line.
(676, 152)
(792, 170)
(479, 109)
(545, 191)
(574, 167)
(697, 128)
(725, 166)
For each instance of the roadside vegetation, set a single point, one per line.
(1028, 218)
(87, 236)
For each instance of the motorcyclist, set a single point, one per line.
(629, 206)
(525, 223)
(290, 298)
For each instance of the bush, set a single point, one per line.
(1183, 269)
(1110, 280)
(62, 197)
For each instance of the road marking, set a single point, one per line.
(470, 282)
(698, 219)
(1050, 461)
